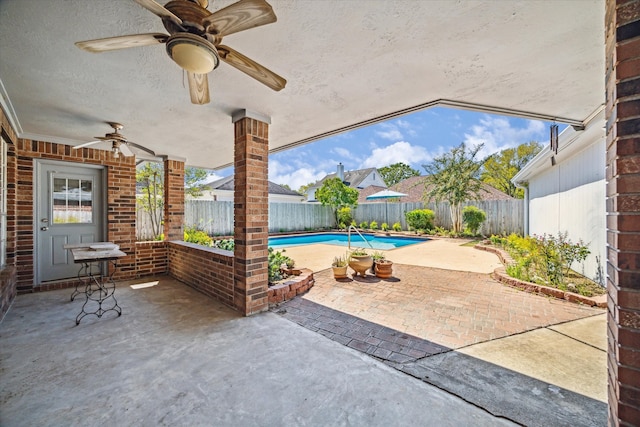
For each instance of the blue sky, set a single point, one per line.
(413, 139)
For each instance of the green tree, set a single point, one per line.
(336, 194)
(499, 168)
(454, 177)
(150, 181)
(397, 172)
(285, 186)
(304, 189)
(193, 178)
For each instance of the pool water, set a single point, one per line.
(340, 239)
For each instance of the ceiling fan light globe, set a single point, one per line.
(193, 53)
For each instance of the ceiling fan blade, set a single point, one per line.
(198, 88)
(159, 10)
(239, 16)
(122, 42)
(252, 68)
(125, 150)
(140, 147)
(86, 144)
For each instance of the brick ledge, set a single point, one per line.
(500, 274)
(294, 286)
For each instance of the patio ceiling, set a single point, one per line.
(346, 62)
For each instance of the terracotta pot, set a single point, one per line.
(339, 272)
(360, 263)
(384, 269)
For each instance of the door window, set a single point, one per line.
(72, 201)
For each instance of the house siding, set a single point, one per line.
(574, 188)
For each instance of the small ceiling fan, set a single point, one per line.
(195, 40)
(119, 144)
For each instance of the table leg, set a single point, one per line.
(99, 291)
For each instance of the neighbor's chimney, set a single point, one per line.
(341, 172)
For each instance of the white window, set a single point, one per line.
(3, 202)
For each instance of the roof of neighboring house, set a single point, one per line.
(227, 184)
(354, 178)
(367, 191)
(414, 188)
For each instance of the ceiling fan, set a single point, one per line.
(195, 40)
(119, 144)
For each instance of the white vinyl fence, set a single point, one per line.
(216, 218)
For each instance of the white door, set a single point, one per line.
(69, 209)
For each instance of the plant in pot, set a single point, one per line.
(339, 267)
(382, 267)
(360, 261)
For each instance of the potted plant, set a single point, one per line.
(339, 267)
(382, 267)
(360, 261)
(376, 256)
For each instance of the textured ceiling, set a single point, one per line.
(346, 62)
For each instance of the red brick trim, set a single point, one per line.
(296, 285)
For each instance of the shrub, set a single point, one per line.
(276, 259)
(226, 244)
(384, 226)
(545, 258)
(397, 226)
(473, 217)
(193, 235)
(420, 219)
(344, 216)
(364, 225)
(373, 225)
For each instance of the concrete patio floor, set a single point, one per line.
(428, 347)
(176, 357)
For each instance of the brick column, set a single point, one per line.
(173, 199)
(251, 212)
(622, 23)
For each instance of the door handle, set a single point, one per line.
(45, 220)
(44, 228)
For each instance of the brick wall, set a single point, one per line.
(251, 215)
(623, 209)
(8, 275)
(208, 270)
(173, 200)
(151, 258)
(121, 217)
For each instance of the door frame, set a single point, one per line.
(37, 193)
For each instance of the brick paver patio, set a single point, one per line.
(448, 309)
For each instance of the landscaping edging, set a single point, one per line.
(295, 285)
(500, 274)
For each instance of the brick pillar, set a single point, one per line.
(173, 199)
(622, 23)
(251, 212)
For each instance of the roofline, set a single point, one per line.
(567, 146)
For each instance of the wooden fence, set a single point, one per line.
(216, 218)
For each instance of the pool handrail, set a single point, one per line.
(360, 234)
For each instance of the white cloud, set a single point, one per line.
(294, 174)
(342, 152)
(398, 152)
(389, 131)
(497, 133)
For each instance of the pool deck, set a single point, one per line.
(442, 253)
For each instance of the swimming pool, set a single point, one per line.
(341, 239)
